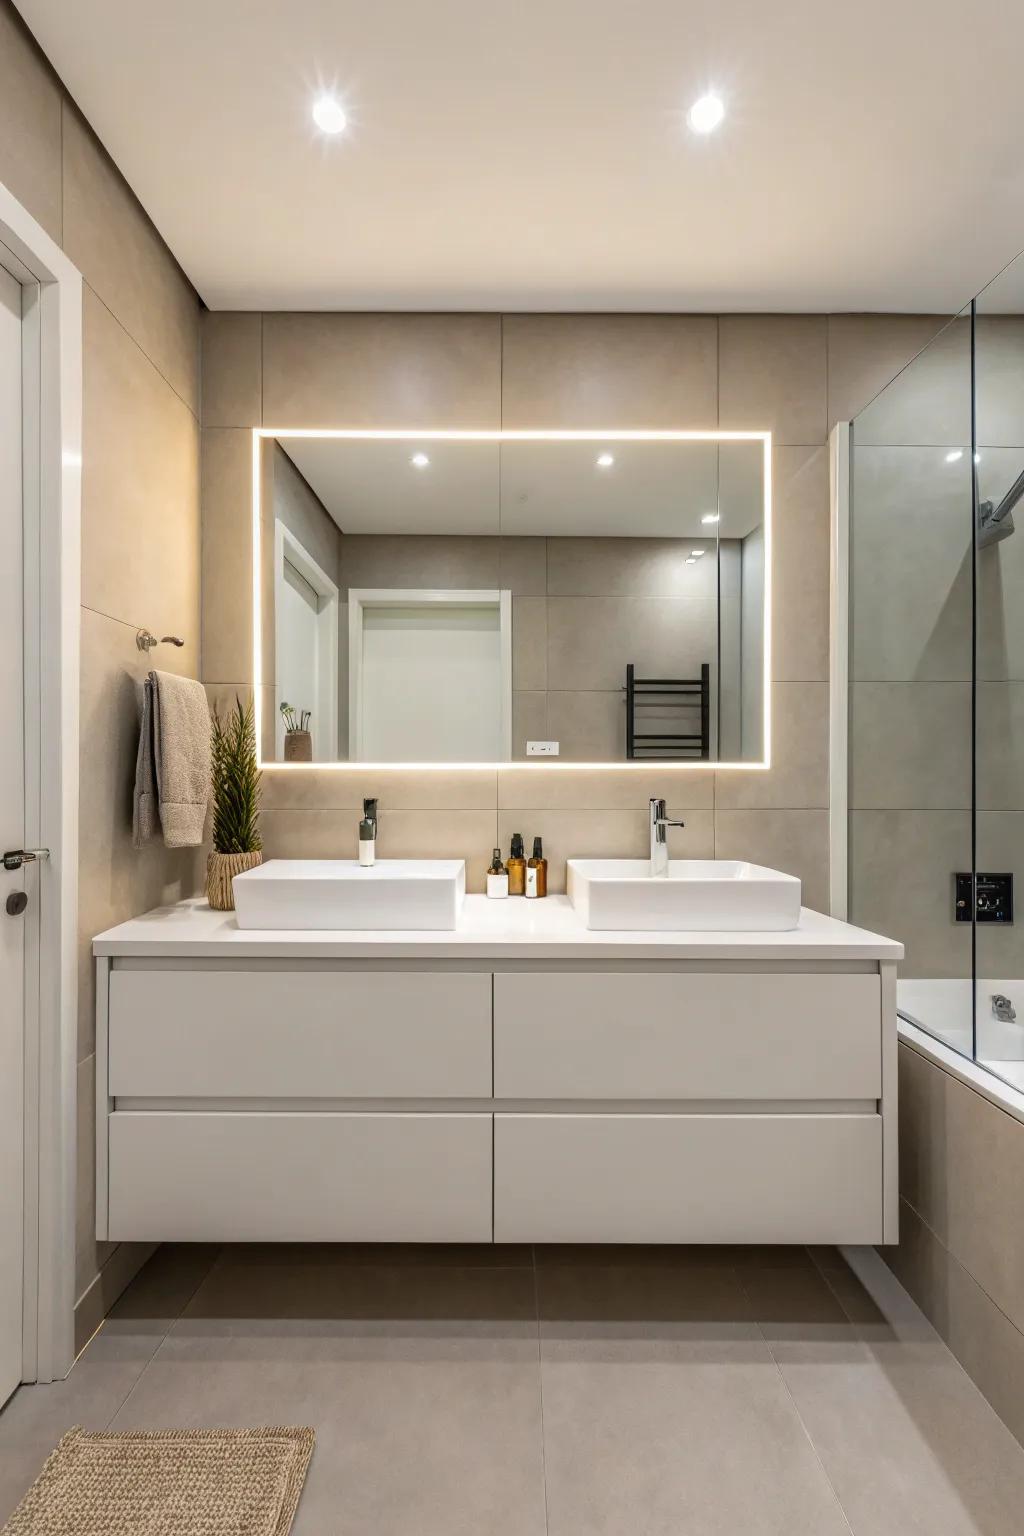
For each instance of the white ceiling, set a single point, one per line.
(547, 488)
(529, 155)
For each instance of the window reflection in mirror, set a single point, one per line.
(451, 599)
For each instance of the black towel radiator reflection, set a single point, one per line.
(686, 694)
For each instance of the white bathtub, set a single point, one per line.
(943, 1008)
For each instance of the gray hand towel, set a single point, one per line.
(146, 801)
(181, 752)
(172, 770)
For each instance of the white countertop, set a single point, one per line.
(514, 929)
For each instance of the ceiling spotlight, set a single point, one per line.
(953, 455)
(706, 113)
(605, 460)
(329, 115)
(419, 461)
(710, 517)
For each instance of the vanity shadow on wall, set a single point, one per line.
(498, 597)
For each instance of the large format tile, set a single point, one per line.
(30, 114)
(999, 946)
(591, 640)
(589, 727)
(529, 643)
(419, 560)
(798, 776)
(382, 370)
(929, 401)
(140, 485)
(603, 834)
(910, 565)
(1000, 572)
(20, 1465)
(227, 474)
(794, 841)
(1000, 746)
(999, 369)
(597, 567)
(407, 789)
(592, 371)
(800, 565)
(866, 352)
(772, 376)
(910, 746)
(606, 789)
(663, 1410)
(902, 865)
(109, 237)
(232, 347)
(907, 1440)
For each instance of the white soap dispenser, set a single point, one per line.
(368, 835)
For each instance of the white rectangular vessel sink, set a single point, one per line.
(697, 895)
(339, 893)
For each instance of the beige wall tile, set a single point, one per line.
(232, 348)
(999, 370)
(910, 746)
(529, 720)
(115, 880)
(592, 371)
(772, 376)
(910, 566)
(924, 1145)
(798, 777)
(612, 834)
(929, 402)
(1000, 578)
(469, 835)
(436, 789)
(794, 841)
(591, 640)
(901, 884)
(355, 370)
(631, 568)
(589, 727)
(413, 560)
(529, 643)
(140, 486)
(604, 789)
(227, 559)
(30, 109)
(522, 566)
(866, 352)
(1000, 948)
(800, 565)
(119, 253)
(291, 833)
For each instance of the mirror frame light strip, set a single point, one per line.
(406, 434)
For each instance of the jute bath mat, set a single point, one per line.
(202, 1482)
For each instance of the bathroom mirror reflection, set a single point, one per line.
(522, 597)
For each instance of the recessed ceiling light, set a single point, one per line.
(706, 113)
(956, 453)
(605, 460)
(419, 461)
(710, 517)
(695, 554)
(329, 115)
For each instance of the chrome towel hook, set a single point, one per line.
(145, 641)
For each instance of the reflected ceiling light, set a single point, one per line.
(329, 115)
(419, 461)
(605, 460)
(695, 554)
(977, 458)
(956, 453)
(706, 113)
(691, 559)
(710, 517)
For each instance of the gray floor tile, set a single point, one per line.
(376, 1255)
(20, 1465)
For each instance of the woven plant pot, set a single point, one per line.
(298, 747)
(221, 869)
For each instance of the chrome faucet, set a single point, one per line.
(659, 843)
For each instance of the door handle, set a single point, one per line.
(16, 857)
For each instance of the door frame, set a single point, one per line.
(287, 548)
(361, 598)
(52, 470)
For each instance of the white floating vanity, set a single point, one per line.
(519, 1079)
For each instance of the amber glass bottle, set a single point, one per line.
(537, 871)
(516, 867)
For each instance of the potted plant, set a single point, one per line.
(237, 844)
(298, 742)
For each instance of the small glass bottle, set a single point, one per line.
(537, 871)
(497, 877)
(516, 867)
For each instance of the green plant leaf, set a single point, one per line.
(236, 780)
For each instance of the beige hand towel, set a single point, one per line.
(146, 803)
(181, 754)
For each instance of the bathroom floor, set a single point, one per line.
(648, 1392)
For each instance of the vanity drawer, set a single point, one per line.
(687, 1178)
(299, 1034)
(688, 1035)
(299, 1178)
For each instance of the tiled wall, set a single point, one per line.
(140, 518)
(790, 373)
(961, 1249)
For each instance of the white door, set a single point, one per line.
(12, 831)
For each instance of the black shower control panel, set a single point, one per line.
(993, 898)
